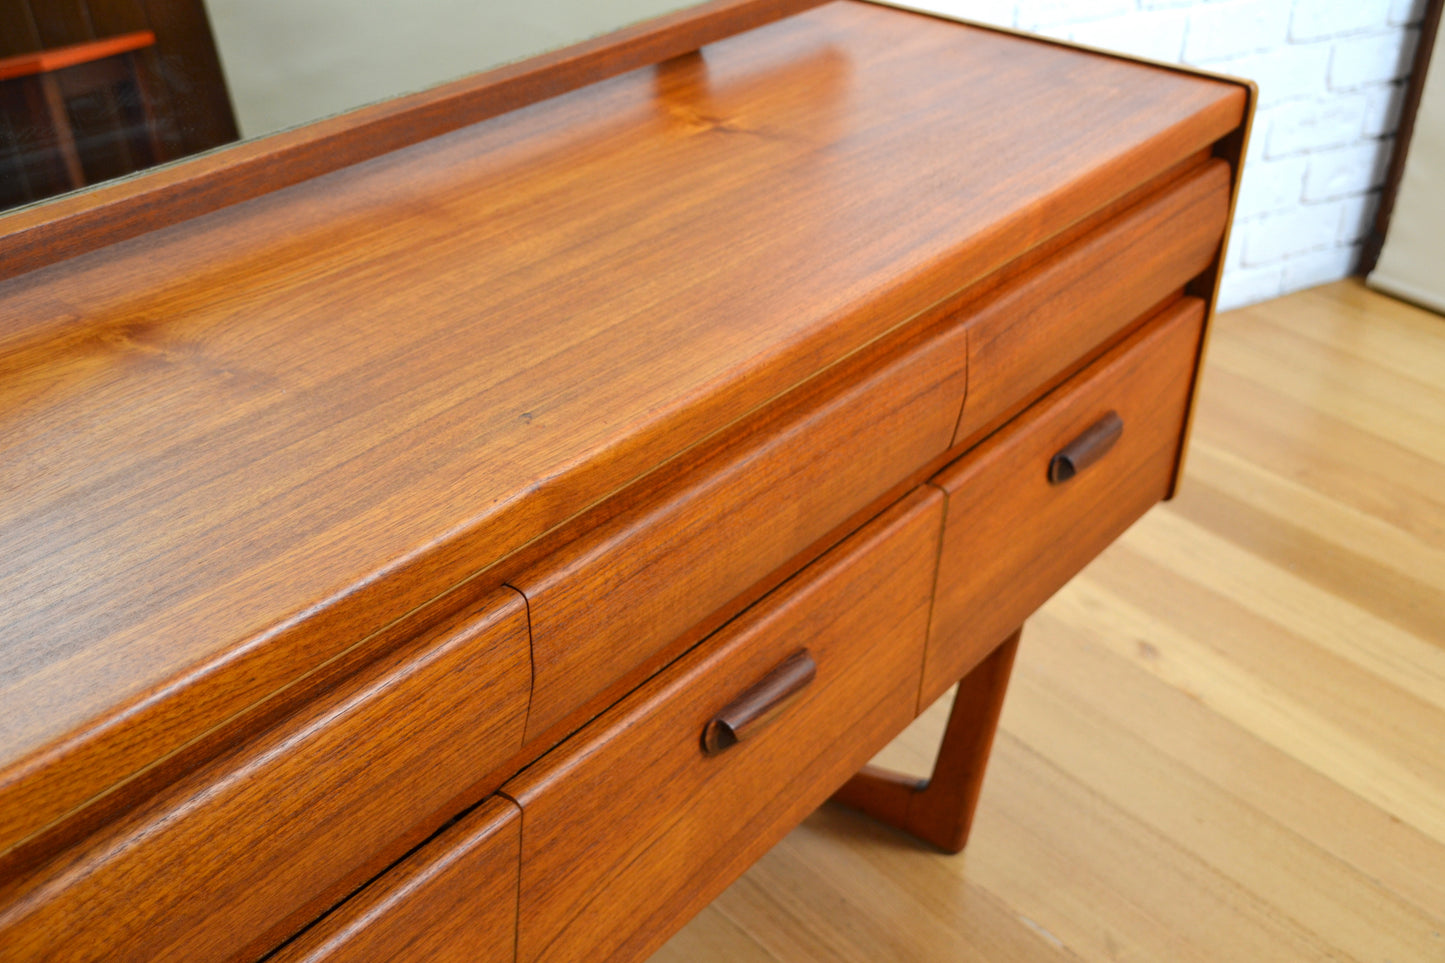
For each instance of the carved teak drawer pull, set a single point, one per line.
(751, 712)
(1086, 449)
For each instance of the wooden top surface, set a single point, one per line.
(235, 445)
(58, 58)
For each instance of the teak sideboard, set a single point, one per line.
(484, 548)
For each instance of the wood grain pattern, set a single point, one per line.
(939, 810)
(1012, 538)
(762, 703)
(611, 863)
(1035, 285)
(605, 604)
(245, 850)
(452, 901)
(1022, 342)
(117, 212)
(255, 392)
(1188, 763)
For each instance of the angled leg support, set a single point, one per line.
(939, 810)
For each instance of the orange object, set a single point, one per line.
(102, 65)
(58, 58)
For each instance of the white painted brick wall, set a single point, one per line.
(1330, 74)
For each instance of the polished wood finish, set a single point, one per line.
(671, 534)
(452, 901)
(558, 453)
(988, 511)
(611, 862)
(1012, 538)
(118, 212)
(750, 713)
(340, 790)
(1086, 449)
(1221, 741)
(939, 809)
(606, 603)
(275, 400)
(1023, 341)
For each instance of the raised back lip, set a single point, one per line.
(55, 230)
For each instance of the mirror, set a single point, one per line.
(92, 90)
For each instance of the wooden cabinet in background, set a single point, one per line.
(170, 100)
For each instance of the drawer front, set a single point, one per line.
(1013, 537)
(234, 855)
(629, 828)
(610, 601)
(1026, 338)
(452, 901)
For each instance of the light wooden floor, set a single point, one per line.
(1225, 741)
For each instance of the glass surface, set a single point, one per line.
(85, 99)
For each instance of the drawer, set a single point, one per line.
(1012, 537)
(242, 852)
(1028, 336)
(610, 601)
(452, 901)
(629, 828)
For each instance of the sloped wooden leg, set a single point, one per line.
(939, 810)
